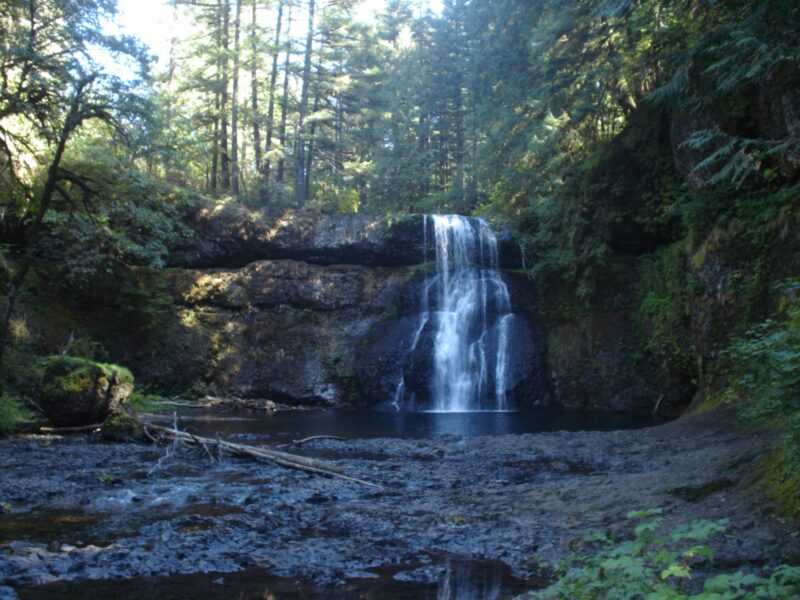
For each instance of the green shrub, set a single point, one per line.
(12, 414)
(763, 373)
(658, 565)
(764, 364)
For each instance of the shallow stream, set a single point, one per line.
(449, 524)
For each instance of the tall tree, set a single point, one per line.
(254, 85)
(235, 175)
(282, 137)
(273, 78)
(225, 9)
(51, 86)
(301, 193)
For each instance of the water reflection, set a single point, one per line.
(463, 579)
(372, 424)
(474, 580)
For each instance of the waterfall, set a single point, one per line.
(472, 320)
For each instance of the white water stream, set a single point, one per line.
(473, 321)
(469, 307)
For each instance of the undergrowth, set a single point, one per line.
(663, 565)
(763, 373)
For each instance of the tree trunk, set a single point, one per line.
(458, 94)
(300, 176)
(215, 153)
(338, 163)
(458, 183)
(224, 156)
(235, 102)
(285, 102)
(254, 89)
(273, 78)
(310, 156)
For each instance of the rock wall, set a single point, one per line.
(310, 309)
(279, 329)
(596, 354)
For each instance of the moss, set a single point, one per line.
(781, 481)
(75, 373)
(664, 309)
(67, 379)
(122, 427)
(144, 402)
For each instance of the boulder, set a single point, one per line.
(121, 426)
(77, 391)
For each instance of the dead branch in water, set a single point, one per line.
(170, 449)
(314, 438)
(291, 461)
(79, 429)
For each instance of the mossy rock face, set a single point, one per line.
(78, 391)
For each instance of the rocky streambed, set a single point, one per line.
(495, 511)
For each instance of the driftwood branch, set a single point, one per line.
(80, 429)
(176, 440)
(314, 438)
(284, 459)
(658, 405)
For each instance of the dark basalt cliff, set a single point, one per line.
(319, 310)
(309, 309)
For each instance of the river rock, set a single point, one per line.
(77, 391)
(7, 593)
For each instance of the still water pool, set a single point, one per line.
(288, 425)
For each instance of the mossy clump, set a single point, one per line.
(73, 371)
(121, 426)
(79, 391)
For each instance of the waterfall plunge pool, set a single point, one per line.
(287, 425)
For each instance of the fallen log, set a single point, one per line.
(291, 461)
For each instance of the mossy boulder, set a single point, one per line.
(121, 426)
(78, 391)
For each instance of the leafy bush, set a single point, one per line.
(659, 566)
(132, 219)
(763, 370)
(765, 363)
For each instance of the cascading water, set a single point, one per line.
(468, 307)
(474, 316)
